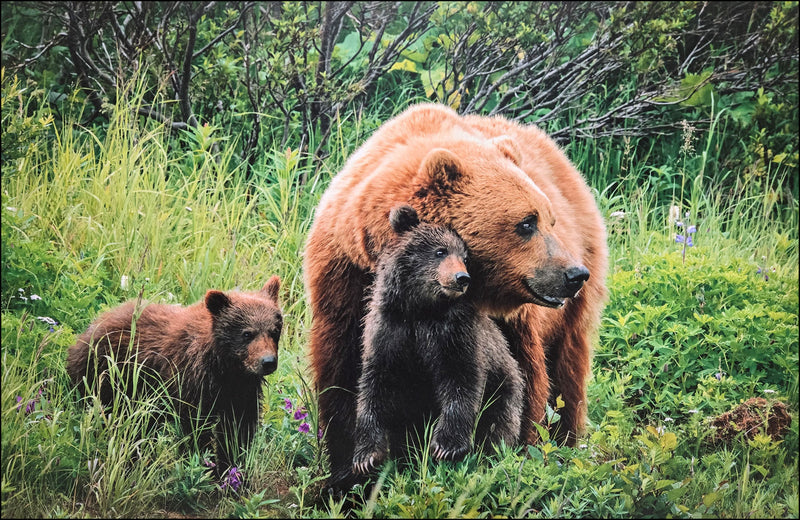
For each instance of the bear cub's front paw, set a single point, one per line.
(449, 447)
(367, 458)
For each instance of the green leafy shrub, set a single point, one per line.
(695, 336)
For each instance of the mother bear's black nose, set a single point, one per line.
(574, 278)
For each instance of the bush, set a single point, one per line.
(699, 335)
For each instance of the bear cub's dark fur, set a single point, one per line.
(429, 353)
(211, 358)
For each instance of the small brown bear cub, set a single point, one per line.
(212, 356)
(429, 353)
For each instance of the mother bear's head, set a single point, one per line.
(507, 222)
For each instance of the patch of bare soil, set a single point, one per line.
(756, 415)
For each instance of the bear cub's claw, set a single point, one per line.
(364, 464)
(452, 452)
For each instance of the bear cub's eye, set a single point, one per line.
(527, 226)
(247, 335)
(275, 333)
(441, 252)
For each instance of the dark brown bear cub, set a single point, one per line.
(212, 356)
(430, 354)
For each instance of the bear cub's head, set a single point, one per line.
(429, 260)
(246, 327)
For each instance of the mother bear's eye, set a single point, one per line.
(247, 335)
(441, 252)
(526, 227)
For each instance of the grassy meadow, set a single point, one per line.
(93, 218)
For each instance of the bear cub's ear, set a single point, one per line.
(403, 218)
(216, 302)
(272, 287)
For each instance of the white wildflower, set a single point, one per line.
(674, 213)
(123, 282)
(35, 297)
(48, 320)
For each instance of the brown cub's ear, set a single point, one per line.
(272, 287)
(216, 302)
(443, 168)
(403, 218)
(508, 147)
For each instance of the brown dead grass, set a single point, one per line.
(756, 415)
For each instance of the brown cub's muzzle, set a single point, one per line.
(269, 364)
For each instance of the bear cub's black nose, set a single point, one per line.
(269, 364)
(462, 279)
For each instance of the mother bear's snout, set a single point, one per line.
(574, 277)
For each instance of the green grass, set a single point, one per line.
(82, 210)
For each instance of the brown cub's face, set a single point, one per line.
(247, 327)
(508, 224)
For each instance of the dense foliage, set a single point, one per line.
(164, 148)
(280, 74)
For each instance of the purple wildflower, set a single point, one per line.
(209, 464)
(686, 240)
(300, 414)
(30, 406)
(50, 321)
(304, 427)
(287, 404)
(320, 433)
(232, 479)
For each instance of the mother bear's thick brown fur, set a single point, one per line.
(537, 245)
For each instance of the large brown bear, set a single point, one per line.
(429, 353)
(536, 241)
(212, 356)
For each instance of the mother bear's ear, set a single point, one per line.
(442, 169)
(508, 147)
(403, 218)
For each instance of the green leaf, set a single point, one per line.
(710, 498)
(543, 433)
(406, 65)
